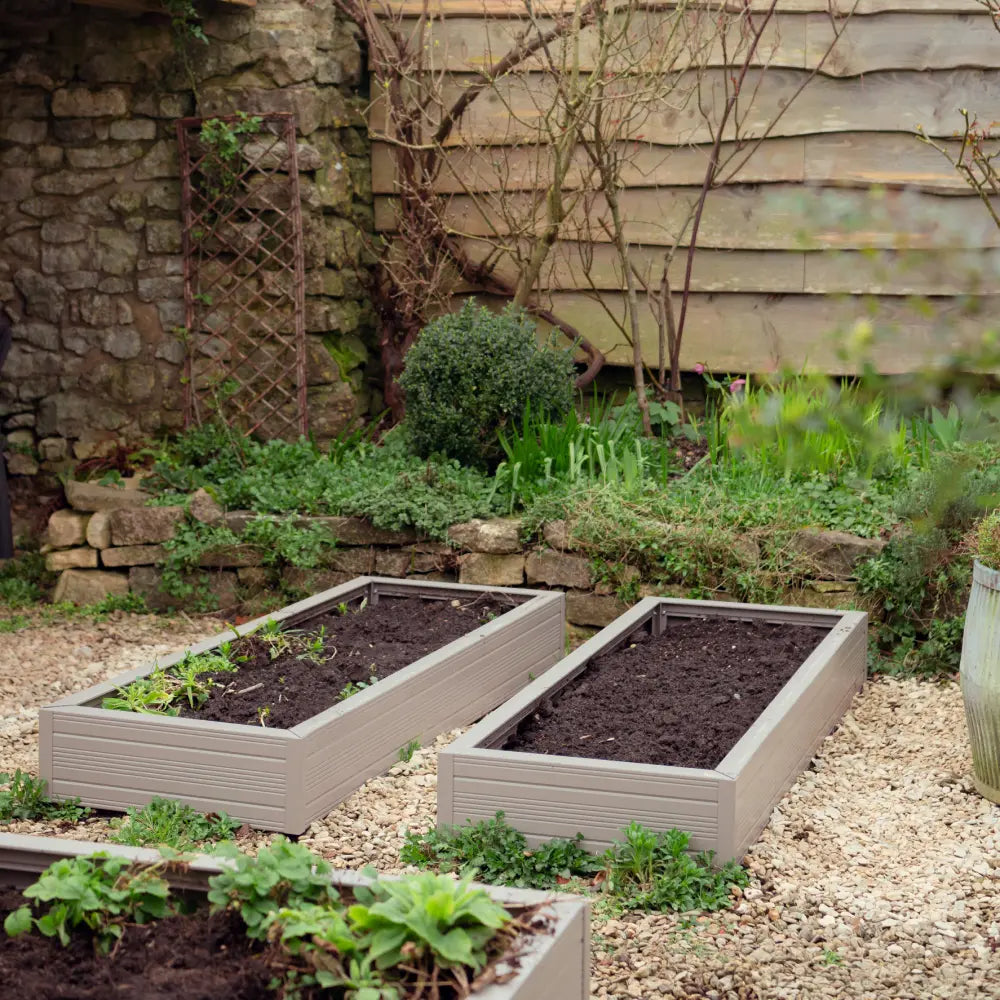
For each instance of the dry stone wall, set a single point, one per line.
(109, 542)
(90, 263)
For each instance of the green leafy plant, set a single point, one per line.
(99, 893)
(406, 753)
(472, 373)
(283, 875)
(425, 920)
(23, 797)
(653, 871)
(173, 823)
(496, 853)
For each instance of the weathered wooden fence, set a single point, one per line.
(778, 268)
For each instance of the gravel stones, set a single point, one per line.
(878, 877)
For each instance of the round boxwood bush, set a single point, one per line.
(471, 373)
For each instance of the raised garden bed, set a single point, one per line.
(723, 802)
(283, 778)
(554, 962)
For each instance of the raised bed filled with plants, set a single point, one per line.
(695, 715)
(278, 720)
(246, 927)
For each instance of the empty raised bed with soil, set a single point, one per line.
(283, 768)
(690, 714)
(202, 956)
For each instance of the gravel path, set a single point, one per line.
(878, 877)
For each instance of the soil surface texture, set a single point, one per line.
(284, 687)
(195, 957)
(683, 698)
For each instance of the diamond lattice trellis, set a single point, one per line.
(244, 276)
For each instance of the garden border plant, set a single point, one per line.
(724, 808)
(282, 779)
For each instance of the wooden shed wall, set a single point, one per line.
(776, 265)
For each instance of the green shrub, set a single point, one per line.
(988, 540)
(472, 373)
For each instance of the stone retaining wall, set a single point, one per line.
(90, 263)
(109, 542)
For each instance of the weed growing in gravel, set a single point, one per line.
(173, 823)
(23, 797)
(653, 871)
(406, 753)
(496, 853)
(647, 871)
(102, 894)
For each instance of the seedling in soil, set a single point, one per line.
(262, 714)
(173, 823)
(149, 695)
(314, 651)
(24, 798)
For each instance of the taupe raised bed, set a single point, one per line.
(549, 966)
(724, 809)
(282, 779)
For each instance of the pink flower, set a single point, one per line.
(737, 384)
(699, 368)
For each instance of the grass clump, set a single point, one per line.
(645, 871)
(23, 798)
(171, 823)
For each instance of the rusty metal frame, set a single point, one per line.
(240, 241)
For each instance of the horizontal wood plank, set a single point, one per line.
(852, 160)
(515, 8)
(772, 217)
(878, 102)
(572, 267)
(759, 333)
(838, 47)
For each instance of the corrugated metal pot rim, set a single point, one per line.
(985, 576)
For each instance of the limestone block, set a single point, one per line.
(80, 102)
(19, 464)
(133, 555)
(403, 562)
(144, 525)
(80, 586)
(66, 528)
(491, 570)
(99, 530)
(358, 531)
(499, 536)
(353, 561)
(146, 580)
(620, 575)
(53, 449)
(833, 555)
(583, 608)
(232, 556)
(557, 534)
(558, 570)
(203, 507)
(90, 496)
(71, 559)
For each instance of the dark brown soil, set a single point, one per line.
(682, 698)
(374, 641)
(197, 957)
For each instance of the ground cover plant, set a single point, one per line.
(290, 928)
(167, 822)
(646, 870)
(23, 797)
